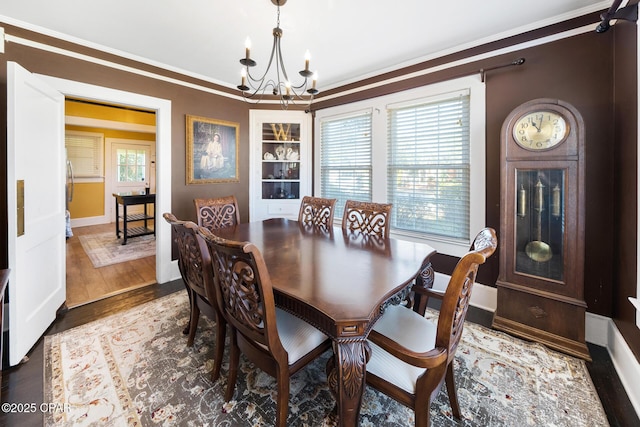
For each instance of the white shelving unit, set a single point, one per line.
(280, 163)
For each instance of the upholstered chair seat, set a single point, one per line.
(298, 337)
(416, 334)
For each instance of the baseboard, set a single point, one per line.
(625, 363)
(484, 297)
(92, 220)
(174, 270)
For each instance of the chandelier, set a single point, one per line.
(255, 88)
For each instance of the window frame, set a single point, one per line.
(477, 152)
(318, 157)
(98, 151)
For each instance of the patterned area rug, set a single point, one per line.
(135, 369)
(105, 249)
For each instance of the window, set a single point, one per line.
(346, 158)
(85, 151)
(424, 152)
(131, 165)
(428, 166)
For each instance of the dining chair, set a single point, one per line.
(316, 211)
(194, 263)
(367, 217)
(276, 341)
(440, 282)
(217, 212)
(411, 356)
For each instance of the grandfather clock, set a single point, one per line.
(542, 223)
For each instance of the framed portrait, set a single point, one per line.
(212, 151)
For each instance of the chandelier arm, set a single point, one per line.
(262, 86)
(299, 92)
(258, 92)
(280, 70)
(281, 62)
(302, 86)
(273, 51)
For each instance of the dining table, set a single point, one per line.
(340, 282)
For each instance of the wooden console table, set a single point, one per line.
(129, 199)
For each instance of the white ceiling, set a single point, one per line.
(348, 39)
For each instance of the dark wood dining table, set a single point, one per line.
(339, 282)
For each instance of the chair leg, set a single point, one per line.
(451, 391)
(282, 404)
(423, 415)
(187, 328)
(193, 321)
(234, 360)
(221, 331)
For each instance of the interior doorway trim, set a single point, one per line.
(166, 270)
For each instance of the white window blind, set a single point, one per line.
(428, 171)
(345, 158)
(85, 151)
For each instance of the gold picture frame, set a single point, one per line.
(212, 150)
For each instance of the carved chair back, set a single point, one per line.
(217, 212)
(191, 257)
(317, 212)
(194, 262)
(367, 217)
(244, 291)
(455, 302)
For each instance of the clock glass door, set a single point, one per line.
(540, 223)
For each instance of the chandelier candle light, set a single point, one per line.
(283, 89)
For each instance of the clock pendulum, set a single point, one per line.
(538, 250)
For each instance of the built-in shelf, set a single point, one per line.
(280, 162)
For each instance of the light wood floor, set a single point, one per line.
(87, 284)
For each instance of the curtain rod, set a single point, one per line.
(628, 13)
(483, 71)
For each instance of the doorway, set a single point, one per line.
(126, 164)
(165, 268)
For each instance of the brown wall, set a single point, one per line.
(581, 70)
(625, 179)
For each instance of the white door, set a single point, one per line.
(35, 157)
(131, 170)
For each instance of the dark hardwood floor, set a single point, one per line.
(24, 383)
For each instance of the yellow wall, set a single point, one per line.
(88, 198)
(103, 112)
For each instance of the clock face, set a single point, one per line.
(540, 130)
